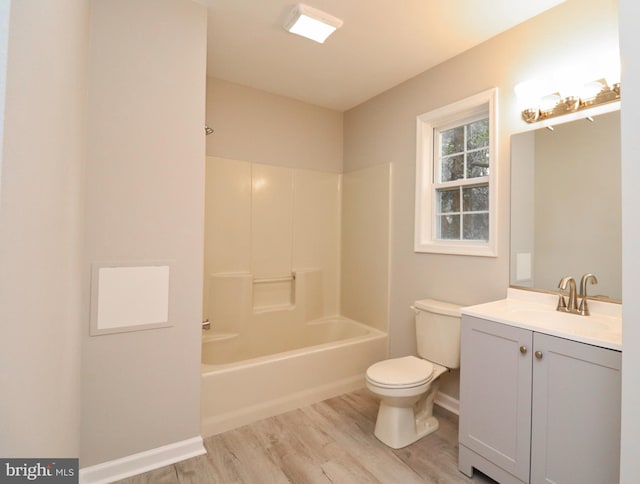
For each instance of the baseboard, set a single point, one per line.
(148, 460)
(447, 402)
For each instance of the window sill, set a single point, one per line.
(456, 248)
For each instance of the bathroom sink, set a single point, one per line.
(537, 312)
(564, 321)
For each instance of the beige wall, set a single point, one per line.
(144, 201)
(5, 8)
(382, 130)
(41, 227)
(260, 127)
(630, 118)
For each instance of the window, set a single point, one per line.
(456, 178)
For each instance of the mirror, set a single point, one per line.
(566, 205)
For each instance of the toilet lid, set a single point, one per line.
(407, 371)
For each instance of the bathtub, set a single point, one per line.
(279, 366)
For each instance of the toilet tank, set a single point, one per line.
(438, 332)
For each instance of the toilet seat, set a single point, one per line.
(404, 372)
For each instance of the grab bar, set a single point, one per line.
(266, 280)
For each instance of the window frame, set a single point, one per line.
(425, 229)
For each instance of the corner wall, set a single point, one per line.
(42, 159)
(630, 119)
(145, 201)
(260, 127)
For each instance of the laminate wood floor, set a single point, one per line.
(328, 442)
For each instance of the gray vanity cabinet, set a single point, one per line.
(537, 408)
(575, 426)
(495, 400)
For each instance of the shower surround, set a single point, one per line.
(272, 289)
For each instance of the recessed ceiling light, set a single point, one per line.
(311, 23)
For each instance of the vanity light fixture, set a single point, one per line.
(311, 23)
(537, 102)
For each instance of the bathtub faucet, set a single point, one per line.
(206, 324)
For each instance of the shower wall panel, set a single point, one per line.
(269, 222)
(366, 222)
(316, 230)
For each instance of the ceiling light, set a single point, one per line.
(311, 23)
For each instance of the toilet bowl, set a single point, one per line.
(407, 386)
(406, 399)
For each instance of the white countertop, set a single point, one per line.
(537, 312)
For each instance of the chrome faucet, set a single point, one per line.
(571, 306)
(584, 308)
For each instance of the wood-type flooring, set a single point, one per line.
(328, 442)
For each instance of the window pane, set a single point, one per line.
(449, 226)
(478, 163)
(452, 168)
(452, 141)
(476, 227)
(478, 134)
(455, 194)
(449, 200)
(475, 199)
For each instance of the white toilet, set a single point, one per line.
(407, 386)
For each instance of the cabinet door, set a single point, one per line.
(495, 393)
(576, 413)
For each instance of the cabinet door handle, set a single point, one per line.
(523, 350)
(538, 354)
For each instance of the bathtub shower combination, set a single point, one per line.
(272, 265)
(280, 361)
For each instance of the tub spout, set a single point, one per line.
(206, 324)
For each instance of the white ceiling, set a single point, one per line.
(381, 44)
